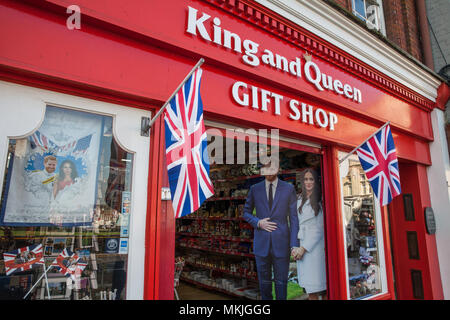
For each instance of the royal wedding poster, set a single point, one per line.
(52, 174)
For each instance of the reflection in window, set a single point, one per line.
(363, 258)
(65, 209)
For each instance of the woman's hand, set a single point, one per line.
(297, 253)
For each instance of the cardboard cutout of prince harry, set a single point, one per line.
(276, 229)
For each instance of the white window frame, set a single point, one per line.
(379, 23)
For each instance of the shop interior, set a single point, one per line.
(214, 245)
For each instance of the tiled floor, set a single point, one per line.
(190, 292)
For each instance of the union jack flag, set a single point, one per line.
(379, 160)
(76, 147)
(67, 148)
(186, 148)
(69, 263)
(82, 145)
(23, 259)
(38, 139)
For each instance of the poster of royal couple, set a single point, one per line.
(52, 174)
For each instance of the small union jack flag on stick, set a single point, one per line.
(69, 264)
(378, 158)
(23, 259)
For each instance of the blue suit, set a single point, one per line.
(272, 249)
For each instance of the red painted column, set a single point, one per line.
(336, 273)
(166, 236)
(151, 277)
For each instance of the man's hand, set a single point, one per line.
(267, 225)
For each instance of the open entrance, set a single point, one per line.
(215, 246)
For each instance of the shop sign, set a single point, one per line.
(430, 222)
(259, 99)
(201, 25)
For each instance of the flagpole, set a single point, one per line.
(199, 63)
(46, 282)
(45, 274)
(351, 152)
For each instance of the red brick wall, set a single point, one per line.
(345, 4)
(402, 25)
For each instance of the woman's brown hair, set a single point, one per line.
(316, 195)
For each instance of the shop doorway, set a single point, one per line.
(215, 243)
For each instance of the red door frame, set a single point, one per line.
(336, 278)
(414, 181)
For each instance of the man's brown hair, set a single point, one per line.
(48, 158)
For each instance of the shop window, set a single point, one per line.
(371, 12)
(417, 284)
(65, 211)
(408, 207)
(366, 272)
(216, 242)
(413, 245)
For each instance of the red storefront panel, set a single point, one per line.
(97, 59)
(139, 52)
(166, 22)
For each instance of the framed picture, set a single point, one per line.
(70, 242)
(58, 245)
(48, 250)
(57, 287)
(85, 242)
(49, 241)
(53, 179)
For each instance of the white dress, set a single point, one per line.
(311, 268)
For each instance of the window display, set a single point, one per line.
(66, 206)
(363, 241)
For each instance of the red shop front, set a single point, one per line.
(262, 73)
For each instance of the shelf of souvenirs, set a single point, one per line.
(196, 217)
(220, 251)
(242, 273)
(238, 293)
(253, 176)
(213, 198)
(215, 237)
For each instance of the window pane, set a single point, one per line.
(359, 8)
(65, 209)
(361, 234)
